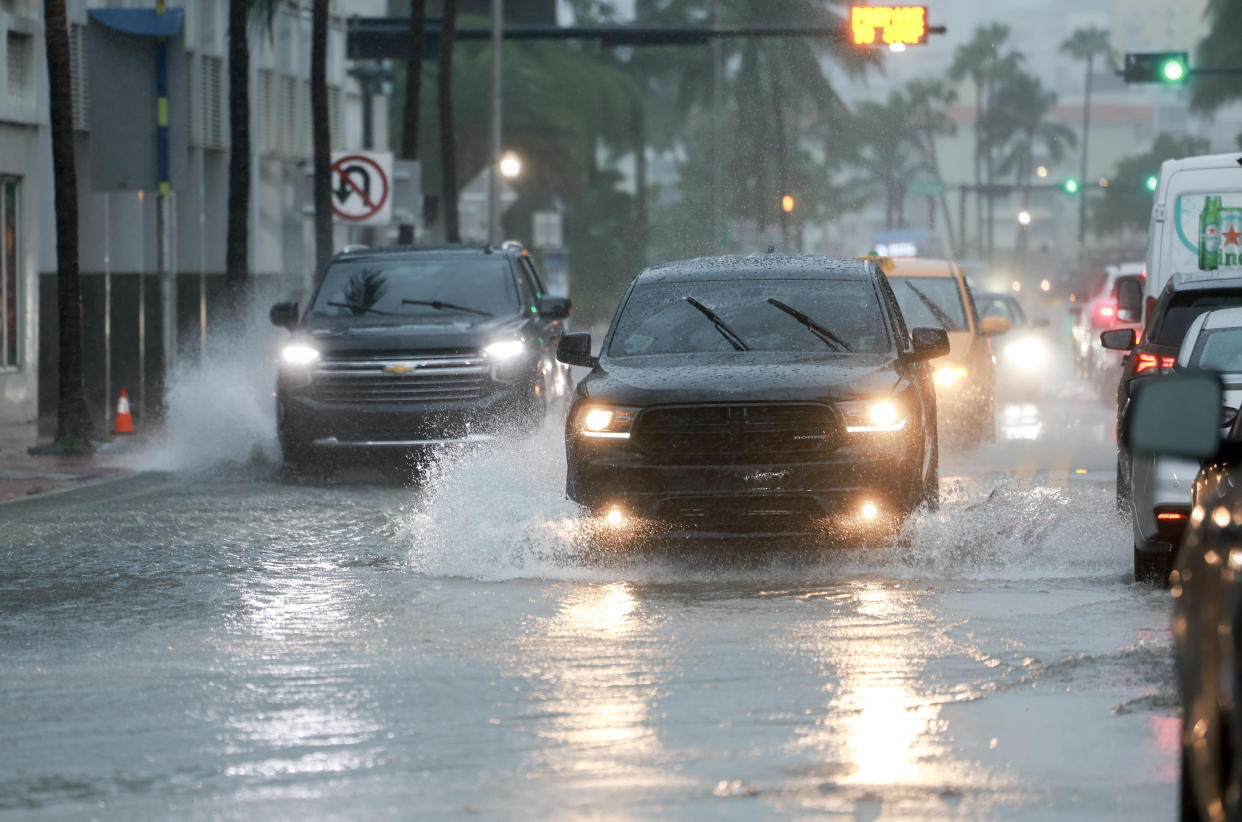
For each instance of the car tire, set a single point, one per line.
(1153, 566)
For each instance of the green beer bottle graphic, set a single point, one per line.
(1209, 234)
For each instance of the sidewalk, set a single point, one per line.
(25, 475)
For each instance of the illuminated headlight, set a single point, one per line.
(949, 375)
(873, 416)
(505, 349)
(1027, 353)
(605, 422)
(299, 355)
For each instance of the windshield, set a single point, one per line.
(443, 287)
(1218, 350)
(931, 302)
(662, 318)
(1185, 308)
(996, 305)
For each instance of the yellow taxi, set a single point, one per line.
(934, 293)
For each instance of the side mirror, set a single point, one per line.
(994, 326)
(929, 343)
(555, 308)
(284, 315)
(1176, 415)
(575, 349)
(1119, 339)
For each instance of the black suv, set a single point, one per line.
(756, 391)
(412, 347)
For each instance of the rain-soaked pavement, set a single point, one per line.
(219, 642)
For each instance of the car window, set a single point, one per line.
(377, 288)
(1218, 350)
(996, 306)
(931, 302)
(1184, 308)
(659, 319)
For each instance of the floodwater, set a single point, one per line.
(216, 640)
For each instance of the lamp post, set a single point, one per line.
(494, 170)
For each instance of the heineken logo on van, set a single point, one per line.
(1209, 227)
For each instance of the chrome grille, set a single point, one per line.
(717, 434)
(424, 378)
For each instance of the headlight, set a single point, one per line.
(606, 422)
(1026, 353)
(949, 375)
(505, 349)
(867, 416)
(299, 354)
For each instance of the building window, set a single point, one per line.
(213, 106)
(9, 323)
(19, 50)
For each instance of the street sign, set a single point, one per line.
(892, 24)
(362, 187)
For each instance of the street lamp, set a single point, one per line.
(1024, 217)
(1044, 285)
(510, 165)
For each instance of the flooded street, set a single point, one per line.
(227, 643)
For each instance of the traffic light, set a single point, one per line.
(1168, 67)
(1070, 186)
(1151, 182)
(787, 203)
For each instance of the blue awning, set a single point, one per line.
(142, 22)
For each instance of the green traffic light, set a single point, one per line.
(1071, 186)
(1173, 71)
(1151, 182)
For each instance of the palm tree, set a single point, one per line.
(413, 97)
(886, 136)
(929, 101)
(74, 429)
(448, 153)
(321, 135)
(1220, 48)
(1086, 44)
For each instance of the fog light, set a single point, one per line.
(869, 511)
(614, 517)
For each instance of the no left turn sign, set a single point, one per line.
(362, 187)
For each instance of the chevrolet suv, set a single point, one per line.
(408, 348)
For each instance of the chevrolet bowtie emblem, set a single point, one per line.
(398, 368)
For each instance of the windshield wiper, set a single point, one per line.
(443, 306)
(814, 327)
(725, 331)
(358, 309)
(944, 319)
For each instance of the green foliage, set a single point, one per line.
(1126, 203)
(1221, 48)
(1086, 44)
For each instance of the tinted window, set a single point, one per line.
(658, 319)
(1218, 350)
(374, 289)
(1184, 308)
(931, 302)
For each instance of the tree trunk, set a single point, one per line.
(413, 101)
(237, 237)
(1082, 183)
(321, 135)
(448, 150)
(979, 166)
(74, 428)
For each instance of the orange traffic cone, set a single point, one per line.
(124, 420)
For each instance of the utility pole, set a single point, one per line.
(163, 229)
(493, 168)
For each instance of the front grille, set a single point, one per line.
(389, 379)
(722, 434)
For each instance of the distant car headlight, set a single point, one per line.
(606, 422)
(949, 375)
(296, 354)
(505, 349)
(1028, 352)
(869, 416)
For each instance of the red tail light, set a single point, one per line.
(1107, 311)
(1171, 516)
(1146, 361)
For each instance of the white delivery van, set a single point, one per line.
(1196, 222)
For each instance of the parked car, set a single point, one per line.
(1161, 485)
(1179, 417)
(1024, 353)
(933, 293)
(1185, 297)
(756, 392)
(409, 348)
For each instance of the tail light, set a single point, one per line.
(1145, 361)
(1172, 516)
(1107, 311)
